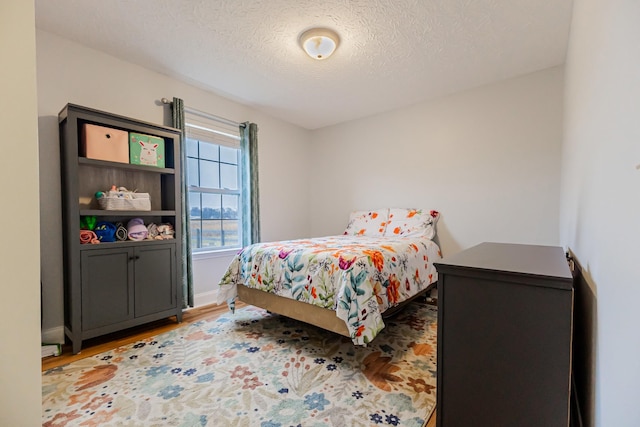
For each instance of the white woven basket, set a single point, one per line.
(125, 201)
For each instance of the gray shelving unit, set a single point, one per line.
(114, 286)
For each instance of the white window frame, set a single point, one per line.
(206, 128)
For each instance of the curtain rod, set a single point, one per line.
(206, 115)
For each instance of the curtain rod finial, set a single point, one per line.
(165, 101)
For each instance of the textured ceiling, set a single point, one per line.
(393, 53)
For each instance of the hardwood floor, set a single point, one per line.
(108, 342)
(432, 420)
(104, 343)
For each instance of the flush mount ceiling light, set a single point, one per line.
(319, 43)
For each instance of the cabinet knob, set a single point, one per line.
(131, 258)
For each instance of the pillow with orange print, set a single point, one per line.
(367, 223)
(412, 222)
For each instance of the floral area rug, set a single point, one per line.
(253, 368)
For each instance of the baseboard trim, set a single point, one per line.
(53, 335)
(205, 298)
(56, 335)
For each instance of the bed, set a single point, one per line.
(343, 283)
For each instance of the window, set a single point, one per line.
(214, 181)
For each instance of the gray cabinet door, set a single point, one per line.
(107, 287)
(155, 279)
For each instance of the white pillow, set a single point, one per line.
(367, 223)
(412, 222)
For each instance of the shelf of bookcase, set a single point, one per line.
(124, 244)
(101, 212)
(124, 166)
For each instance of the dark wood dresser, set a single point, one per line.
(504, 337)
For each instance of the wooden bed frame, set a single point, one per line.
(321, 317)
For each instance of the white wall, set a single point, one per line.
(68, 72)
(20, 379)
(600, 209)
(488, 159)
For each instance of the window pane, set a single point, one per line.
(209, 174)
(211, 234)
(211, 208)
(196, 233)
(229, 155)
(194, 205)
(192, 147)
(216, 219)
(230, 206)
(229, 176)
(192, 172)
(208, 151)
(231, 236)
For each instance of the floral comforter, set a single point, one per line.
(359, 277)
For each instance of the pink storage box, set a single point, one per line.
(103, 143)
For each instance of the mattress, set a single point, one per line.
(357, 277)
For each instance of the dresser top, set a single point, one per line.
(528, 260)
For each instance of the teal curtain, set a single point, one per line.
(177, 113)
(250, 187)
